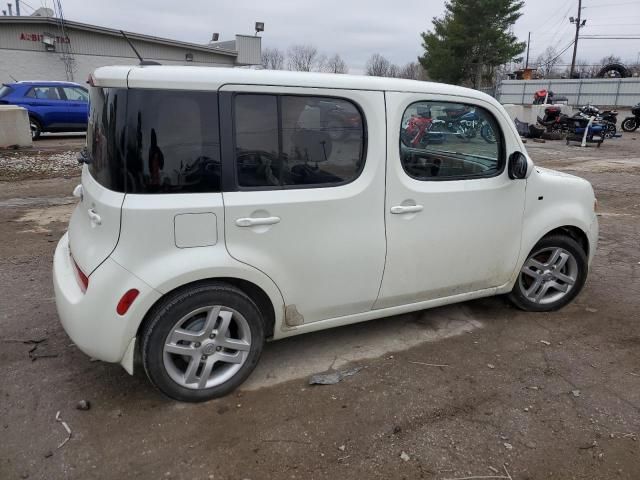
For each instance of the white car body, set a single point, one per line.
(337, 255)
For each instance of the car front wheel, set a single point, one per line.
(202, 342)
(36, 129)
(552, 275)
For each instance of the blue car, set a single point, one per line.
(52, 106)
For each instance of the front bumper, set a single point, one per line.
(593, 233)
(90, 318)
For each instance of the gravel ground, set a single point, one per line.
(521, 395)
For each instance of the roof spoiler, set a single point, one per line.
(142, 60)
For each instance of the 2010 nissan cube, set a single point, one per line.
(223, 207)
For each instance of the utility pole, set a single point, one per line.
(526, 65)
(579, 23)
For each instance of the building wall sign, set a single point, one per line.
(39, 37)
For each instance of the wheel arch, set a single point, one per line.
(577, 233)
(253, 291)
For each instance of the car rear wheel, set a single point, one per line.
(36, 128)
(552, 275)
(202, 342)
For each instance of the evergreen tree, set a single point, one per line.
(471, 40)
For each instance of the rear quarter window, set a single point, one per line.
(105, 137)
(5, 90)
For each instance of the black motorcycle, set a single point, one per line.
(630, 124)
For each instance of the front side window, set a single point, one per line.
(44, 93)
(450, 141)
(173, 142)
(295, 141)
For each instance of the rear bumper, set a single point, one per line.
(90, 318)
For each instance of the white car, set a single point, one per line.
(220, 208)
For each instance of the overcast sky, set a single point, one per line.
(355, 29)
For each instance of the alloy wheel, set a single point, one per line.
(207, 347)
(548, 275)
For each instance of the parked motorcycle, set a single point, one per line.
(608, 118)
(554, 120)
(547, 96)
(466, 124)
(630, 124)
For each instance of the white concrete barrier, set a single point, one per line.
(14, 127)
(529, 113)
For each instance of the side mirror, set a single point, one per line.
(519, 166)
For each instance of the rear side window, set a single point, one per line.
(105, 137)
(173, 142)
(5, 90)
(76, 94)
(297, 141)
(450, 141)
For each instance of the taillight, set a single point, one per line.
(82, 279)
(126, 301)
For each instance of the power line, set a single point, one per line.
(613, 4)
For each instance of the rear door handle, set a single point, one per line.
(399, 209)
(252, 222)
(95, 218)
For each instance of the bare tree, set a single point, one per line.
(547, 62)
(412, 71)
(302, 58)
(272, 59)
(377, 66)
(336, 64)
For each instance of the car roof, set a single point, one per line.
(211, 78)
(45, 83)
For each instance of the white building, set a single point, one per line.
(44, 48)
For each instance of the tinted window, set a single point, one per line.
(75, 94)
(5, 90)
(44, 93)
(256, 133)
(297, 140)
(450, 141)
(172, 142)
(105, 137)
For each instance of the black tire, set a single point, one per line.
(630, 124)
(517, 295)
(35, 127)
(610, 130)
(163, 318)
(486, 132)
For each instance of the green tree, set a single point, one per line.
(471, 40)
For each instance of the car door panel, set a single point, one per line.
(464, 237)
(323, 247)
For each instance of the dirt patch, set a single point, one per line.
(42, 218)
(40, 164)
(568, 408)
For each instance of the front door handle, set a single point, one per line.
(252, 222)
(399, 209)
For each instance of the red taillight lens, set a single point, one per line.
(126, 301)
(83, 280)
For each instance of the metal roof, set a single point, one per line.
(53, 22)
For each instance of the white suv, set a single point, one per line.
(222, 207)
